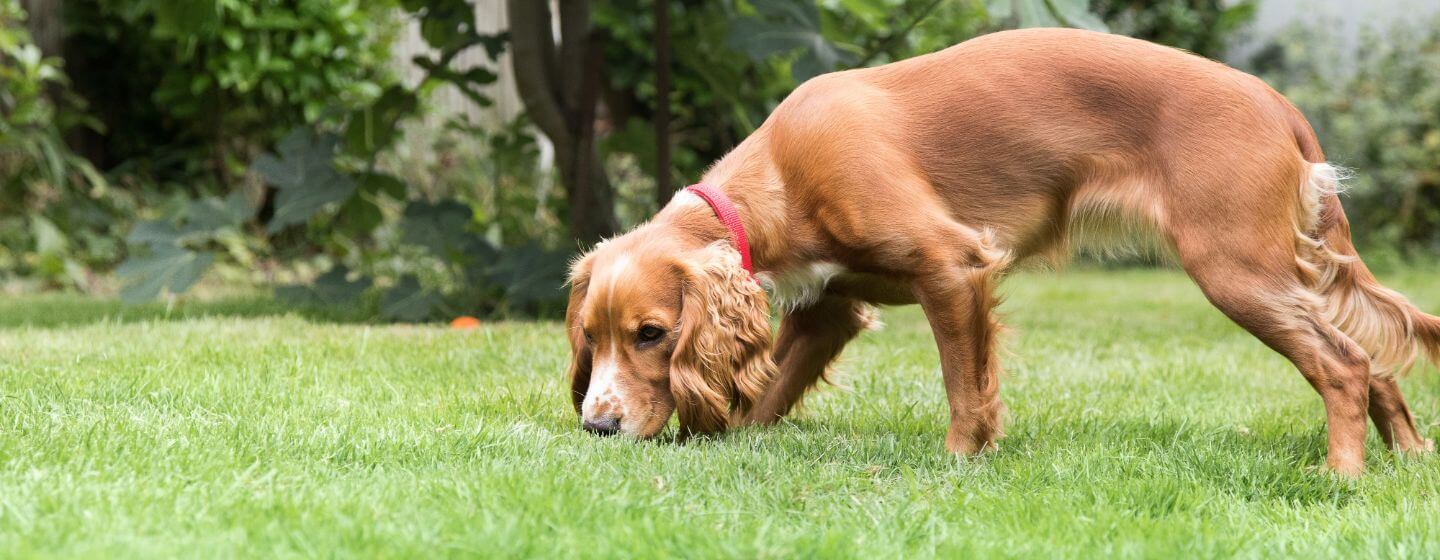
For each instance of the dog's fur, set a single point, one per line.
(921, 181)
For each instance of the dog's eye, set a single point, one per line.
(649, 334)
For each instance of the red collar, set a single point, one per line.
(725, 210)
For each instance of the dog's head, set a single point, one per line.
(657, 328)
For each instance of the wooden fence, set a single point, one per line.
(490, 17)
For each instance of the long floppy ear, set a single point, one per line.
(722, 360)
(580, 358)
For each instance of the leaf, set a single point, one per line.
(162, 268)
(333, 288)
(477, 254)
(435, 226)
(1046, 13)
(49, 240)
(530, 274)
(184, 18)
(1076, 13)
(153, 232)
(874, 12)
(289, 172)
(478, 76)
(494, 44)
(1035, 13)
(359, 216)
(375, 184)
(408, 301)
(375, 127)
(444, 24)
(211, 213)
(305, 177)
(1000, 9)
(785, 27)
(1236, 15)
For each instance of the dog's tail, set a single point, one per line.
(1382, 321)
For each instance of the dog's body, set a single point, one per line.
(920, 181)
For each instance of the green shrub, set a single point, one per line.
(423, 243)
(53, 226)
(1204, 27)
(192, 89)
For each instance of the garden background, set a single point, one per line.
(405, 160)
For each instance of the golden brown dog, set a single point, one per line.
(921, 181)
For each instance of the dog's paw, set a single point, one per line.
(1425, 447)
(970, 446)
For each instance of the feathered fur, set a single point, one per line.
(1382, 321)
(722, 360)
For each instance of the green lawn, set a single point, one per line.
(1142, 423)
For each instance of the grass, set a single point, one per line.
(1142, 424)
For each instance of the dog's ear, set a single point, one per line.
(580, 358)
(721, 362)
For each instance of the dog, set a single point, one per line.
(923, 180)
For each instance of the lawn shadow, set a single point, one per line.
(53, 311)
(1191, 462)
(1269, 464)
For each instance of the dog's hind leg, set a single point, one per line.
(810, 338)
(1275, 307)
(1242, 252)
(1393, 418)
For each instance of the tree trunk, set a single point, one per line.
(560, 89)
(664, 183)
(46, 28)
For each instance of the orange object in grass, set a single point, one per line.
(465, 323)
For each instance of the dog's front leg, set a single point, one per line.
(958, 301)
(810, 338)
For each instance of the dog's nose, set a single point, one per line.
(605, 425)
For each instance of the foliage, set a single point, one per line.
(1047, 13)
(381, 241)
(211, 81)
(56, 196)
(305, 176)
(181, 92)
(1204, 27)
(444, 254)
(170, 254)
(493, 169)
(266, 136)
(1382, 120)
(787, 28)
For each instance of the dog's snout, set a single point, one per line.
(604, 425)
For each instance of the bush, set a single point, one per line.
(191, 90)
(1204, 27)
(1382, 120)
(58, 225)
(423, 243)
